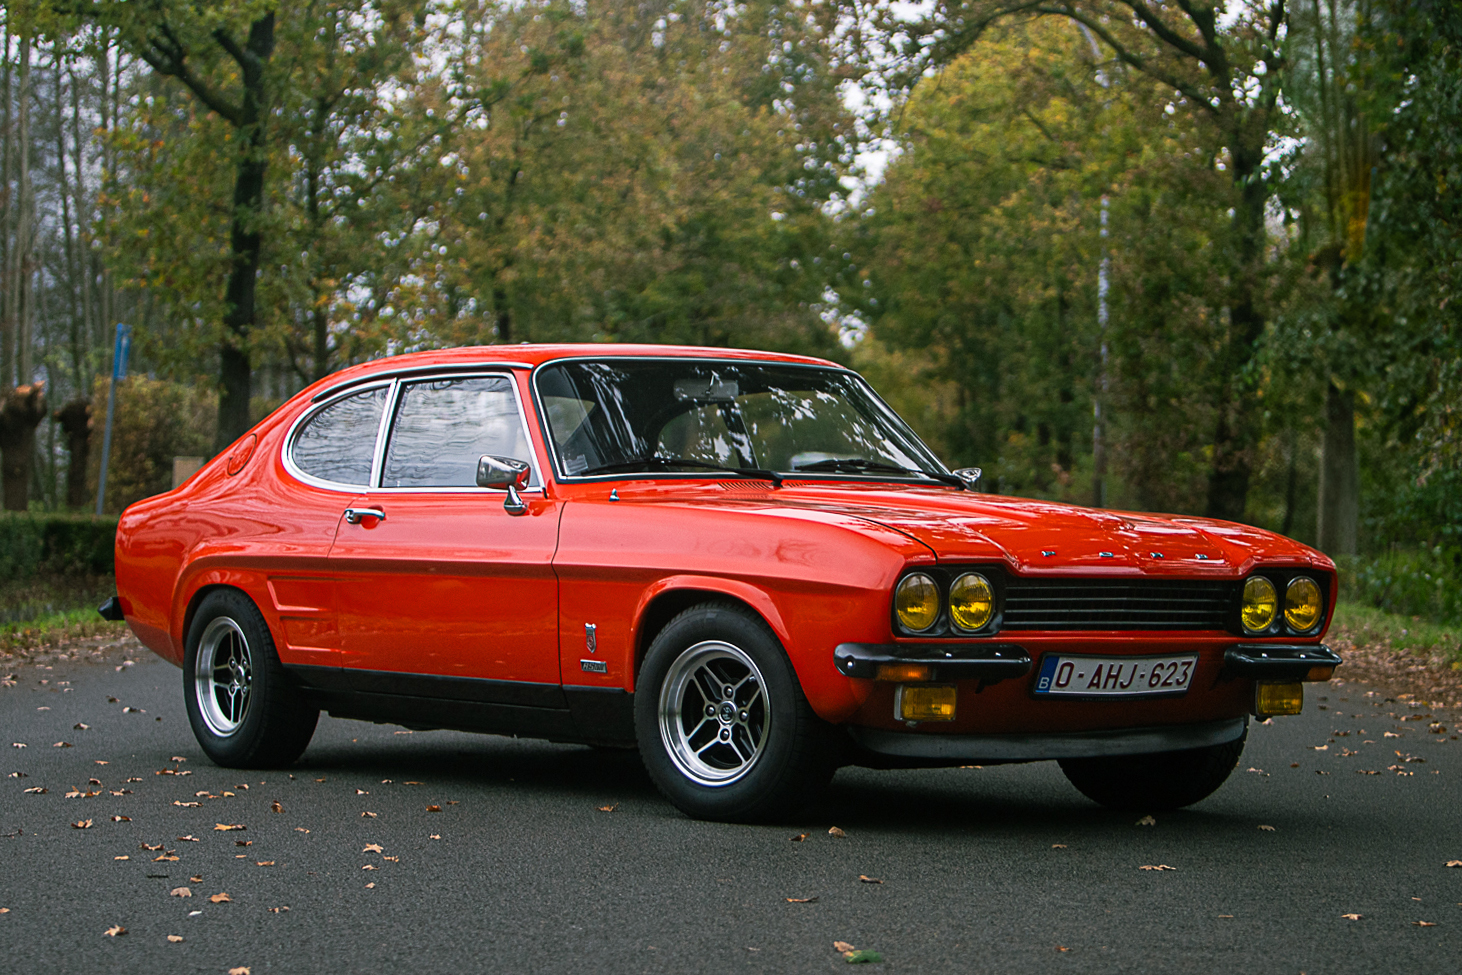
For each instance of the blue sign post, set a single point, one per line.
(119, 372)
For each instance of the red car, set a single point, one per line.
(744, 564)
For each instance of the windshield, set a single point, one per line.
(685, 415)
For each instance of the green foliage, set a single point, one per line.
(1425, 583)
(1363, 625)
(37, 544)
(156, 420)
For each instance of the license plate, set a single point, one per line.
(1068, 676)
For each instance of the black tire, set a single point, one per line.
(257, 718)
(791, 750)
(1157, 781)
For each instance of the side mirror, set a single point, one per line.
(505, 472)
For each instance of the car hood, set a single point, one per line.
(1034, 537)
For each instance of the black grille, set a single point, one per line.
(1117, 604)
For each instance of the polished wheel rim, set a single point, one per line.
(714, 716)
(224, 676)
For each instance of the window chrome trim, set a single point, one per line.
(316, 408)
(879, 401)
(388, 425)
(412, 371)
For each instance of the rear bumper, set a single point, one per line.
(901, 747)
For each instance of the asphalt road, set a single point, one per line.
(995, 870)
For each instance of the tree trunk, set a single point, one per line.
(1339, 476)
(235, 372)
(75, 420)
(22, 410)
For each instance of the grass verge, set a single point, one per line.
(1365, 625)
(55, 629)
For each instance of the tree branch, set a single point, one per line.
(1165, 33)
(167, 56)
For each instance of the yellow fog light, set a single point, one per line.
(1302, 603)
(917, 601)
(1261, 603)
(971, 601)
(927, 702)
(1270, 699)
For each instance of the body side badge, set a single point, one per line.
(591, 639)
(594, 666)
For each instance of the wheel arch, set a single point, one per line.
(195, 590)
(671, 597)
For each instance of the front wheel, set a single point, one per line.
(1157, 781)
(722, 725)
(244, 709)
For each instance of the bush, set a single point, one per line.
(1422, 582)
(156, 421)
(33, 544)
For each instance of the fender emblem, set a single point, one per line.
(591, 639)
(594, 666)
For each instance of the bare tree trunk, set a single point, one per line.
(1339, 514)
(22, 411)
(75, 420)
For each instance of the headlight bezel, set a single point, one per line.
(944, 578)
(1282, 578)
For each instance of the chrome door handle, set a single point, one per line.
(354, 515)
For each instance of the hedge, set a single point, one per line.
(37, 543)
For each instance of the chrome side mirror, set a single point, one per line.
(970, 475)
(505, 472)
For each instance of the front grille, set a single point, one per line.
(1117, 604)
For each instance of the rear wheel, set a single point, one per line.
(244, 709)
(722, 725)
(1157, 781)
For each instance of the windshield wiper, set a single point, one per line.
(658, 463)
(861, 465)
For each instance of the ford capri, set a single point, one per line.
(743, 564)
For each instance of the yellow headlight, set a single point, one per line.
(1302, 603)
(1261, 603)
(971, 601)
(917, 601)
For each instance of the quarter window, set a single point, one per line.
(338, 443)
(443, 426)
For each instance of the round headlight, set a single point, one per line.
(917, 601)
(1302, 603)
(971, 601)
(1261, 603)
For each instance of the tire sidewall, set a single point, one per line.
(767, 777)
(238, 748)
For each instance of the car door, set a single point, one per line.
(434, 575)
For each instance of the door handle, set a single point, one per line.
(354, 515)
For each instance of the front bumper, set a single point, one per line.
(903, 747)
(988, 663)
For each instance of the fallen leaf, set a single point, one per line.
(241, 970)
(78, 726)
(181, 892)
(1454, 863)
(412, 783)
(1058, 846)
(17, 744)
(1294, 764)
(81, 824)
(1147, 821)
(869, 880)
(361, 792)
(225, 827)
(1160, 866)
(17, 775)
(609, 808)
(1321, 748)
(1267, 829)
(196, 880)
(114, 700)
(373, 848)
(177, 758)
(842, 946)
(371, 886)
(243, 842)
(1062, 948)
(167, 857)
(436, 836)
(799, 837)
(263, 863)
(300, 829)
(175, 938)
(834, 831)
(369, 866)
(187, 805)
(62, 744)
(862, 957)
(371, 815)
(392, 859)
(190, 838)
(433, 808)
(1424, 924)
(221, 898)
(37, 790)
(149, 846)
(121, 819)
(122, 858)
(4, 910)
(276, 807)
(116, 930)
(801, 900)
(276, 910)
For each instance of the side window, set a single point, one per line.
(338, 443)
(443, 426)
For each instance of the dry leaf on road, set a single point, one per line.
(276, 806)
(1267, 829)
(1353, 917)
(1160, 866)
(801, 900)
(868, 880)
(1424, 924)
(221, 898)
(175, 938)
(37, 791)
(1058, 846)
(121, 819)
(433, 808)
(361, 792)
(62, 744)
(373, 848)
(369, 866)
(609, 808)
(834, 831)
(798, 838)
(263, 863)
(1454, 863)
(181, 892)
(241, 970)
(81, 824)
(116, 930)
(225, 827)
(1147, 821)
(842, 946)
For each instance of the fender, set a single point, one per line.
(253, 584)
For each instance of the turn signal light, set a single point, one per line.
(1271, 699)
(926, 703)
(903, 672)
(1320, 672)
